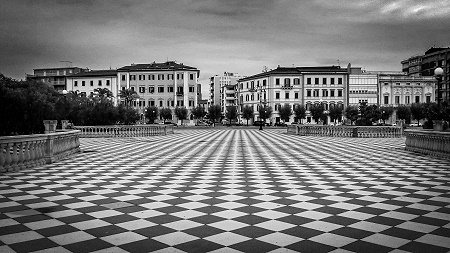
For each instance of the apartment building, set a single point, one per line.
(55, 77)
(362, 87)
(222, 90)
(294, 86)
(86, 82)
(168, 84)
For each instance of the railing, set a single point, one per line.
(26, 151)
(123, 131)
(428, 142)
(347, 131)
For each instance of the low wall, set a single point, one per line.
(26, 151)
(124, 131)
(428, 142)
(347, 131)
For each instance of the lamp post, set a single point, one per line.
(438, 72)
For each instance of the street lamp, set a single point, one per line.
(438, 72)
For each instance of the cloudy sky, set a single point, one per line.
(240, 36)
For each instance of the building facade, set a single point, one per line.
(55, 77)
(362, 87)
(223, 91)
(168, 84)
(400, 89)
(294, 86)
(86, 82)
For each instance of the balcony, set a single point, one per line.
(287, 87)
(180, 94)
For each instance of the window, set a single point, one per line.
(170, 77)
(316, 80)
(83, 83)
(428, 99)
(287, 95)
(252, 85)
(331, 93)
(170, 89)
(124, 77)
(397, 99)
(191, 89)
(75, 83)
(264, 82)
(287, 82)
(277, 95)
(296, 81)
(152, 103)
(151, 89)
(339, 93)
(132, 88)
(332, 80)
(191, 103)
(316, 93)
(160, 103)
(107, 83)
(191, 76)
(340, 80)
(407, 100)
(91, 83)
(397, 83)
(99, 82)
(277, 81)
(296, 95)
(172, 103)
(308, 93)
(417, 99)
(140, 77)
(160, 77)
(179, 76)
(160, 89)
(308, 106)
(408, 83)
(308, 80)
(141, 89)
(324, 80)
(324, 93)
(151, 77)
(386, 100)
(132, 77)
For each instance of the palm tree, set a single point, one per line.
(128, 96)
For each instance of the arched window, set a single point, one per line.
(246, 98)
(264, 82)
(296, 81)
(287, 82)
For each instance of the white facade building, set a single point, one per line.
(87, 82)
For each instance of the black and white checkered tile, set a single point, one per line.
(230, 191)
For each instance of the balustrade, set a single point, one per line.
(25, 151)
(428, 142)
(124, 131)
(347, 131)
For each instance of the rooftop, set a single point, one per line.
(107, 72)
(169, 65)
(296, 71)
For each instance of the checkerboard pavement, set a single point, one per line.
(230, 191)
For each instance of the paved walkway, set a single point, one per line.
(230, 191)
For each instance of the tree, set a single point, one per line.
(300, 112)
(151, 113)
(181, 113)
(166, 113)
(128, 96)
(335, 113)
(285, 112)
(247, 113)
(368, 114)
(103, 93)
(417, 112)
(231, 113)
(127, 115)
(214, 113)
(351, 113)
(198, 112)
(317, 112)
(386, 113)
(403, 112)
(265, 112)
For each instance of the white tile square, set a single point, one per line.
(123, 238)
(227, 238)
(386, 240)
(175, 238)
(104, 214)
(268, 205)
(70, 238)
(322, 226)
(279, 239)
(332, 239)
(275, 225)
(146, 214)
(313, 215)
(369, 226)
(435, 240)
(229, 214)
(271, 214)
(44, 224)
(95, 223)
(230, 205)
(192, 205)
(418, 227)
(356, 215)
(182, 225)
(20, 237)
(136, 224)
(228, 225)
(188, 214)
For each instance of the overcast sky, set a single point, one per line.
(215, 36)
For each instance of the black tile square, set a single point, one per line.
(385, 221)
(296, 220)
(254, 246)
(402, 233)
(32, 218)
(310, 246)
(18, 228)
(341, 220)
(203, 231)
(33, 245)
(88, 246)
(251, 219)
(58, 230)
(429, 221)
(198, 246)
(105, 231)
(366, 247)
(252, 231)
(352, 232)
(76, 218)
(143, 246)
(154, 231)
(207, 219)
(119, 218)
(423, 247)
(302, 232)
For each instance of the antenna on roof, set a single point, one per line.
(68, 63)
(339, 64)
